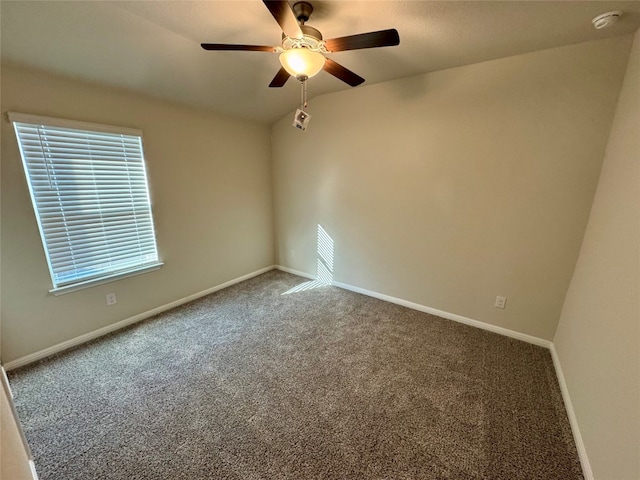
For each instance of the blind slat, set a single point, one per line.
(91, 198)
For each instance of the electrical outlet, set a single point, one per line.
(293, 254)
(500, 302)
(111, 299)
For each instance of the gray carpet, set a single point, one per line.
(248, 383)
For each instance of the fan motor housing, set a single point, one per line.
(311, 39)
(311, 32)
(308, 31)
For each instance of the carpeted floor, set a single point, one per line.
(248, 383)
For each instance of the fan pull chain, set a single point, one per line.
(303, 95)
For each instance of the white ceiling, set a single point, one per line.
(154, 46)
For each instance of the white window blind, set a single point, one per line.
(89, 190)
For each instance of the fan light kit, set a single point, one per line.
(302, 62)
(303, 50)
(606, 19)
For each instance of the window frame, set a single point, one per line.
(61, 287)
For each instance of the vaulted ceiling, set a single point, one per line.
(154, 46)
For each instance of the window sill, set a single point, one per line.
(99, 281)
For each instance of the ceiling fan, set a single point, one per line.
(302, 53)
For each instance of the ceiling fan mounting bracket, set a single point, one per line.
(302, 11)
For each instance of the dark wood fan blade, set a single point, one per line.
(383, 38)
(344, 74)
(280, 79)
(285, 17)
(247, 48)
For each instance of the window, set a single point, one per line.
(89, 190)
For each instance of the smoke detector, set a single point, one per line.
(606, 19)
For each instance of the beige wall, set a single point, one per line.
(210, 185)
(598, 337)
(14, 462)
(14, 457)
(450, 188)
(444, 189)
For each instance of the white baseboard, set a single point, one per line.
(433, 311)
(33, 357)
(450, 316)
(573, 421)
(582, 453)
(295, 272)
(32, 468)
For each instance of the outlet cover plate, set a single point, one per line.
(111, 299)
